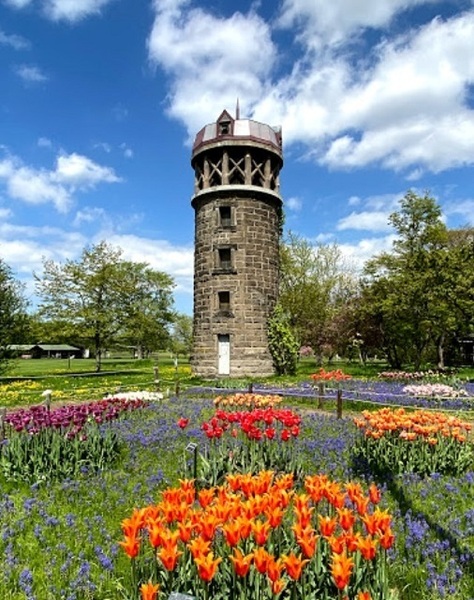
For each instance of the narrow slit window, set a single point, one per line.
(225, 258)
(225, 216)
(224, 300)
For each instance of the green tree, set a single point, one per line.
(147, 306)
(315, 284)
(101, 297)
(13, 315)
(415, 296)
(182, 334)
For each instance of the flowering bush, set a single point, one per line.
(334, 375)
(247, 400)
(255, 536)
(247, 441)
(423, 442)
(434, 390)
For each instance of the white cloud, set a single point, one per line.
(365, 220)
(65, 10)
(294, 204)
(17, 42)
(212, 61)
(89, 215)
(73, 10)
(359, 253)
(401, 103)
(177, 261)
(81, 172)
(30, 74)
(322, 23)
(5, 213)
(39, 186)
(464, 208)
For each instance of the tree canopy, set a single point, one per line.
(13, 316)
(102, 299)
(419, 296)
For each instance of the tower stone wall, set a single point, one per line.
(237, 225)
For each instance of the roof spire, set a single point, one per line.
(237, 111)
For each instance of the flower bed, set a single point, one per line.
(396, 441)
(45, 444)
(259, 537)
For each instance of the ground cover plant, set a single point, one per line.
(61, 541)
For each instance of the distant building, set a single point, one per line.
(238, 218)
(46, 350)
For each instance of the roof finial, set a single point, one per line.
(237, 111)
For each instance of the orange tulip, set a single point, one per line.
(364, 596)
(131, 526)
(185, 530)
(208, 526)
(198, 546)
(351, 540)
(387, 539)
(207, 566)
(278, 586)
(341, 569)
(169, 557)
(274, 568)
(241, 562)
(307, 544)
(149, 591)
(361, 505)
(346, 518)
(206, 496)
(294, 565)
(337, 543)
(131, 545)
(245, 526)
(260, 559)
(155, 529)
(327, 525)
(260, 530)
(367, 547)
(275, 516)
(374, 493)
(231, 531)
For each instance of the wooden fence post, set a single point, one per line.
(320, 394)
(339, 402)
(3, 414)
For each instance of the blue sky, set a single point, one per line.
(100, 101)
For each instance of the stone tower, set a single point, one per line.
(238, 212)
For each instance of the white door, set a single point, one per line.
(223, 367)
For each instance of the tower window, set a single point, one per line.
(225, 258)
(224, 300)
(225, 216)
(224, 128)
